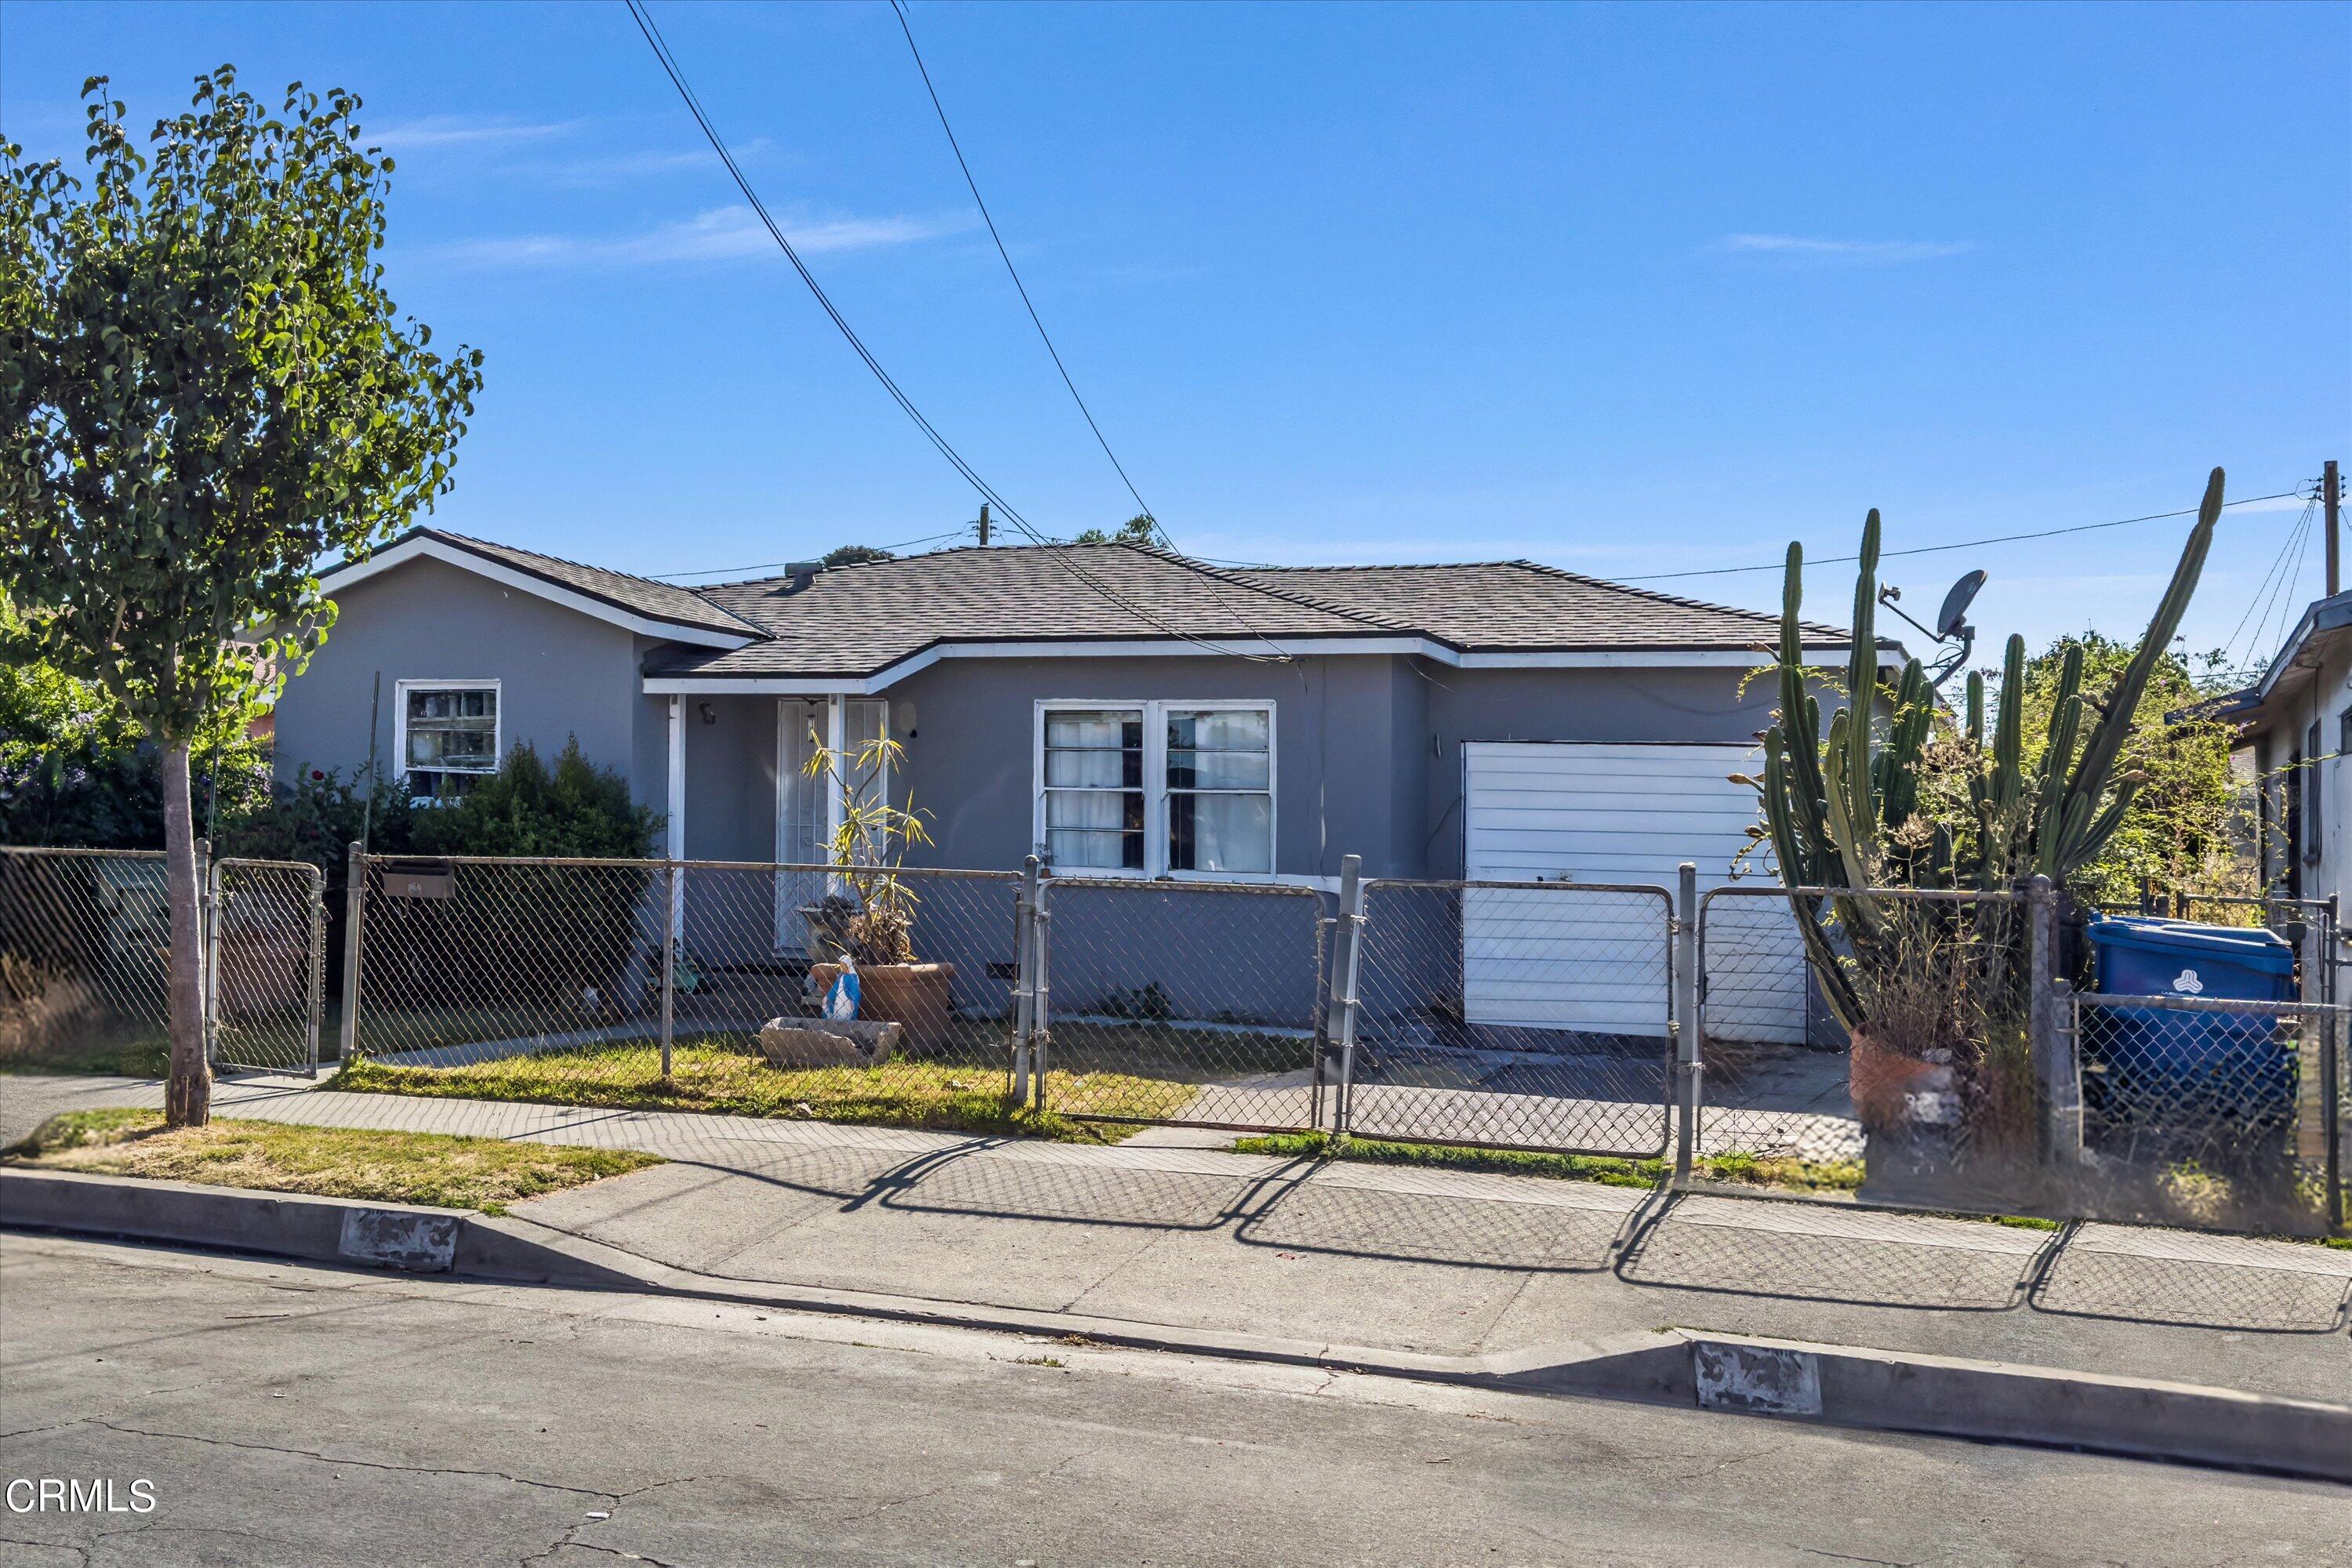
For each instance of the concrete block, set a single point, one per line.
(421, 1243)
(827, 1042)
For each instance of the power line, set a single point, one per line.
(1962, 544)
(2258, 607)
(907, 27)
(670, 68)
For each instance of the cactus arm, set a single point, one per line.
(2090, 778)
(1800, 715)
(1837, 989)
(2095, 838)
(1861, 696)
(2051, 813)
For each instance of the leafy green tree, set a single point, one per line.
(204, 392)
(855, 555)
(2186, 827)
(76, 768)
(1137, 530)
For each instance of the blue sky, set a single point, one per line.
(1631, 290)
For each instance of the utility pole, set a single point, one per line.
(2331, 538)
(2331, 502)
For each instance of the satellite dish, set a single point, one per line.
(1953, 618)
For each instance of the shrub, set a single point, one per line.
(574, 808)
(542, 936)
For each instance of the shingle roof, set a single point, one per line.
(655, 601)
(858, 620)
(1520, 605)
(855, 620)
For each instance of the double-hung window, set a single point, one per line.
(1156, 788)
(1092, 788)
(1220, 775)
(448, 735)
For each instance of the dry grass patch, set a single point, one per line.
(485, 1173)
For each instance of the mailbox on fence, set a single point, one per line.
(418, 878)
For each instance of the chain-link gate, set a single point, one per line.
(266, 964)
(1515, 1015)
(1197, 1004)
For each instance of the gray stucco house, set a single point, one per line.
(1120, 711)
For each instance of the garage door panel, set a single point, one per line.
(1583, 813)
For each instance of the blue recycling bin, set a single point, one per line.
(2178, 1066)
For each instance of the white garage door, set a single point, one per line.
(1582, 812)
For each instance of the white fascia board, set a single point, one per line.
(1422, 648)
(554, 593)
(762, 685)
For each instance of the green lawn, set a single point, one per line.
(721, 1078)
(485, 1173)
(1141, 1070)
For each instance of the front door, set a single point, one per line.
(805, 814)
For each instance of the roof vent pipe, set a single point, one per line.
(802, 573)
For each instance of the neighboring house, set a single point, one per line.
(2296, 722)
(1123, 711)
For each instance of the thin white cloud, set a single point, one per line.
(467, 131)
(1803, 248)
(599, 171)
(721, 234)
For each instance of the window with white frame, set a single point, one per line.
(1220, 776)
(1156, 788)
(448, 735)
(1091, 788)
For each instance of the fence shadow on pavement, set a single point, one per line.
(998, 1180)
(1317, 1208)
(2193, 1280)
(1847, 1256)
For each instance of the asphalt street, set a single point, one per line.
(283, 1414)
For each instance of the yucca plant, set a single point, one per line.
(1853, 808)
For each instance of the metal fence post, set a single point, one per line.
(1024, 976)
(1688, 1063)
(1041, 993)
(346, 1027)
(2050, 1045)
(674, 906)
(208, 946)
(1346, 960)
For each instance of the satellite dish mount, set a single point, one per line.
(1951, 625)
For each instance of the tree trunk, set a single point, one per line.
(188, 1096)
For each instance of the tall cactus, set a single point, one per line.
(1832, 802)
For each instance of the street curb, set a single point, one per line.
(1830, 1384)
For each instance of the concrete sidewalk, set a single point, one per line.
(1434, 1261)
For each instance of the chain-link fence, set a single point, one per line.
(1194, 1002)
(265, 966)
(85, 943)
(1931, 1100)
(698, 984)
(84, 961)
(2199, 1111)
(1514, 1014)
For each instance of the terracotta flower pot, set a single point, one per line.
(1890, 1089)
(915, 996)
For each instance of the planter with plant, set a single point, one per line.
(1934, 993)
(869, 917)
